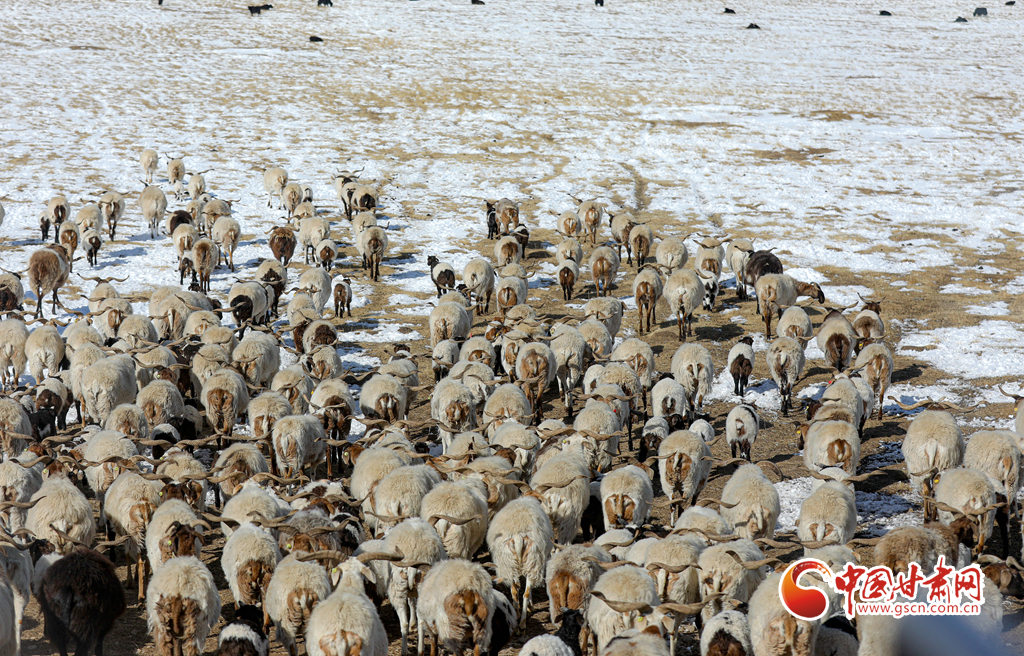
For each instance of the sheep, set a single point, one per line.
(722, 573)
(684, 292)
(754, 502)
(298, 442)
(346, 622)
(607, 310)
(972, 493)
(455, 596)
(249, 502)
(153, 203)
(571, 574)
(453, 406)
(671, 254)
(706, 521)
(773, 629)
(107, 384)
(258, 356)
(647, 289)
(317, 284)
(13, 359)
(567, 273)
(70, 235)
(726, 634)
(868, 324)
(604, 265)
(626, 496)
(61, 506)
(569, 249)
(225, 398)
(92, 242)
(128, 506)
(776, 291)
(785, 365)
(597, 337)
(244, 636)
(182, 605)
(875, 362)
(536, 367)
(795, 323)
(274, 181)
(248, 561)
(80, 598)
(478, 276)
(565, 481)
(510, 292)
(640, 239)
(458, 512)
(373, 246)
(520, 540)
(205, 257)
(57, 212)
(12, 293)
(521, 441)
(399, 495)
(506, 214)
(570, 350)
(568, 224)
(384, 397)
(13, 419)
(741, 427)
(828, 514)
(189, 473)
(313, 231)
(161, 402)
(684, 466)
(693, 368)
(149, 160)
(830, 444)
(371, 466)
(741, 364)
(48, 270)
(225, 233)
(295, 589)
(836, 339)
(996, 453)
(17, 484)
(626, 585)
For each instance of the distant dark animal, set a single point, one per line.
(244, 636)
(324, 3)
(315, 39)
(884, 13)
(477, 2)
(254, 10)
(981, 11)
(729, 11)
(1011, 3)
(598, 3)
(960, 19)
(492, 220)
(753, 26)
(81, 599)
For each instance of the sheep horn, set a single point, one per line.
(724, 504)
(917, 405)
(817, 544)
(623, 606)
(234, 523)
(777, 544)
(752, 564)
(322, 555)
(672, 569)
(688, 609)
(16, 504)
(999, 387)
(453, 520)
(113, 543)
(366, 557)
(64, 536)
(865, 542)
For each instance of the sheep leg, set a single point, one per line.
(527, 602)
(142, 579)
(402, 610)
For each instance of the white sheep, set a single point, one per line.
(421, 546)
(684, 464)
(693, 368)
(972, 493)
(626, 496)
(836, 338)
(182, 605)
(627, 584)
(830, 444)
(773, 629)
(128, 507)
(722, 573)
(107, 384)
(725, 634)
(399, 495)
(520, 540)
(684, 291)
(153, 203)
(63, 507)
(455, 604)
(829, 513)
(785, 365)
(795, 323)
(248, 561)
(741, 428)
(751, 504)
(564, 485)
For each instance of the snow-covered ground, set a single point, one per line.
(887, 146)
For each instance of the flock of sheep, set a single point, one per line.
(513, 503)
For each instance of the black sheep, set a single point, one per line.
(81, 599)
(244, 636)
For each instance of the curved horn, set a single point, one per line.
(917, 405)
(623, 606)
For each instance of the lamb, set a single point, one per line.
(723, 574)
(604, 265)
(80, 598)
(13, 339)
(48, 270)
(741, 427)
(726, 634)
(836, 339)
(773, 629)
(225, 398)
(626, 496)
(455, 604)
(153, 203)
(684, 466)
(622, 585)
(298, 442)
(684, 291)
(754, 502)
(741, 364)
(875, 362)
(61, 506)
(828, 514)
(294, 591)
(182, 605)
(248, 561)
(693, 368)
(520, 540)
(244, 636)
(776, 291)
(830, 444)
(785, 365)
